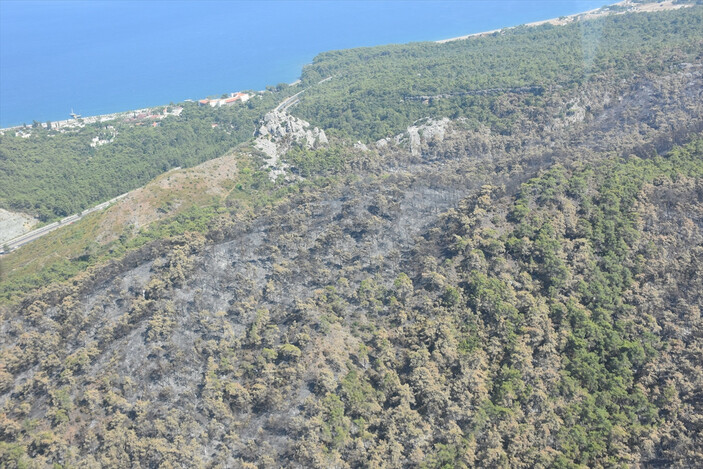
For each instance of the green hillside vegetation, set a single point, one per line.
(52, 175)
(69, 251)
(377, 92)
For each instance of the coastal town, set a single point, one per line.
(144, 116)
(231, 99)
(105, 129)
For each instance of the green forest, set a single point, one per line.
(52, 175)
(376, 92)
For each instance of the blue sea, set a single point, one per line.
(108, 56)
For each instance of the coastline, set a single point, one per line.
(81, 121)
(624, 6)
(131, 115)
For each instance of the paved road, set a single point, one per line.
(39, 232)
(288, 102)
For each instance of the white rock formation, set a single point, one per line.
(382, 143)
(418, 135)
(361, 146)
(278, 131)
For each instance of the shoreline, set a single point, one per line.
(555, 21)
(82, 121)
(627, 6)
(60, 124)
(623, 6)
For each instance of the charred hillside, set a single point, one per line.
(514, 286)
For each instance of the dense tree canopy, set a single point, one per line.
(52, 174)
(377, 92)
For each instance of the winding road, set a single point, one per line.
(39, 232)
(288, 102)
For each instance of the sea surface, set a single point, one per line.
(98, 57)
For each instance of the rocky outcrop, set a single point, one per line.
(361, 146)
(278, 132)
(429, 131)
(281, 125)
(417, 136)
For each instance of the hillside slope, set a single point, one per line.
(514, 284)
(554, 327)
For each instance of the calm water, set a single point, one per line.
(101, 57)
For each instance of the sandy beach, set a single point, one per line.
(614, 9)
